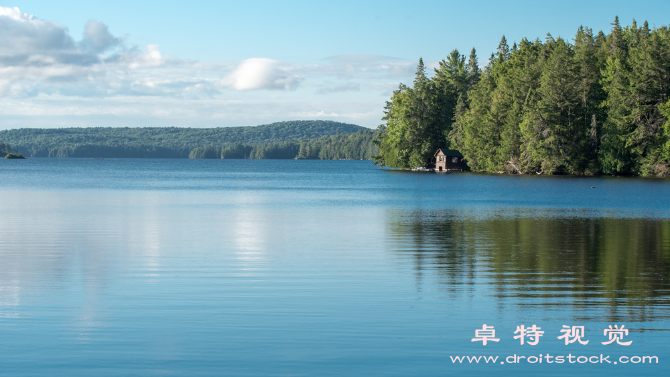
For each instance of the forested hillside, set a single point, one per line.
(597, 104)
(5, 148)
(158, 142)
(356, 146)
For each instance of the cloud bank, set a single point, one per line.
(45, 71)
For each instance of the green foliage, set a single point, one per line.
(5, 148)
(9, 152)
(282, 151)
(158, 142)
(599, 105)
(356, 146)
(419, 118)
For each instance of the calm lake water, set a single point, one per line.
(135, 267)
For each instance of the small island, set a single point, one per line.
(10, 153)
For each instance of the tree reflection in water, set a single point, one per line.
(614, 266)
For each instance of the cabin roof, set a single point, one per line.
(449, 152)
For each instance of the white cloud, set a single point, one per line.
(152, 57)
(14, 14)
(97, 37)
(260, 73)
(23, 35)
(38, 56)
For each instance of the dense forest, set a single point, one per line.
(159, 142)
(596, 105)
(356, 146)
(5, 148)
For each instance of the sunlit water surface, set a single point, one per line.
(136, 267)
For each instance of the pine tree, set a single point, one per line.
(591, 95)
(649, 73)
(473, 69)
(558, 109)
(616, 42)
(615, 155)
(503, 49)
(452, 81)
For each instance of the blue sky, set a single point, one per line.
(231, 63)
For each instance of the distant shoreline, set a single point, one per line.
(309, 139)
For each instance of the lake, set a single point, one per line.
(143, 267)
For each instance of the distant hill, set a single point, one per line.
(356, 146)
(159, 142)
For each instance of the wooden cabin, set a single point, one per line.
(449, 160)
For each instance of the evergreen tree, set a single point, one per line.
(503, 49)
(473, 69)
(591, 95)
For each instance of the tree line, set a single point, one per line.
(596, 105)
(160, 142)
(356, 146)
